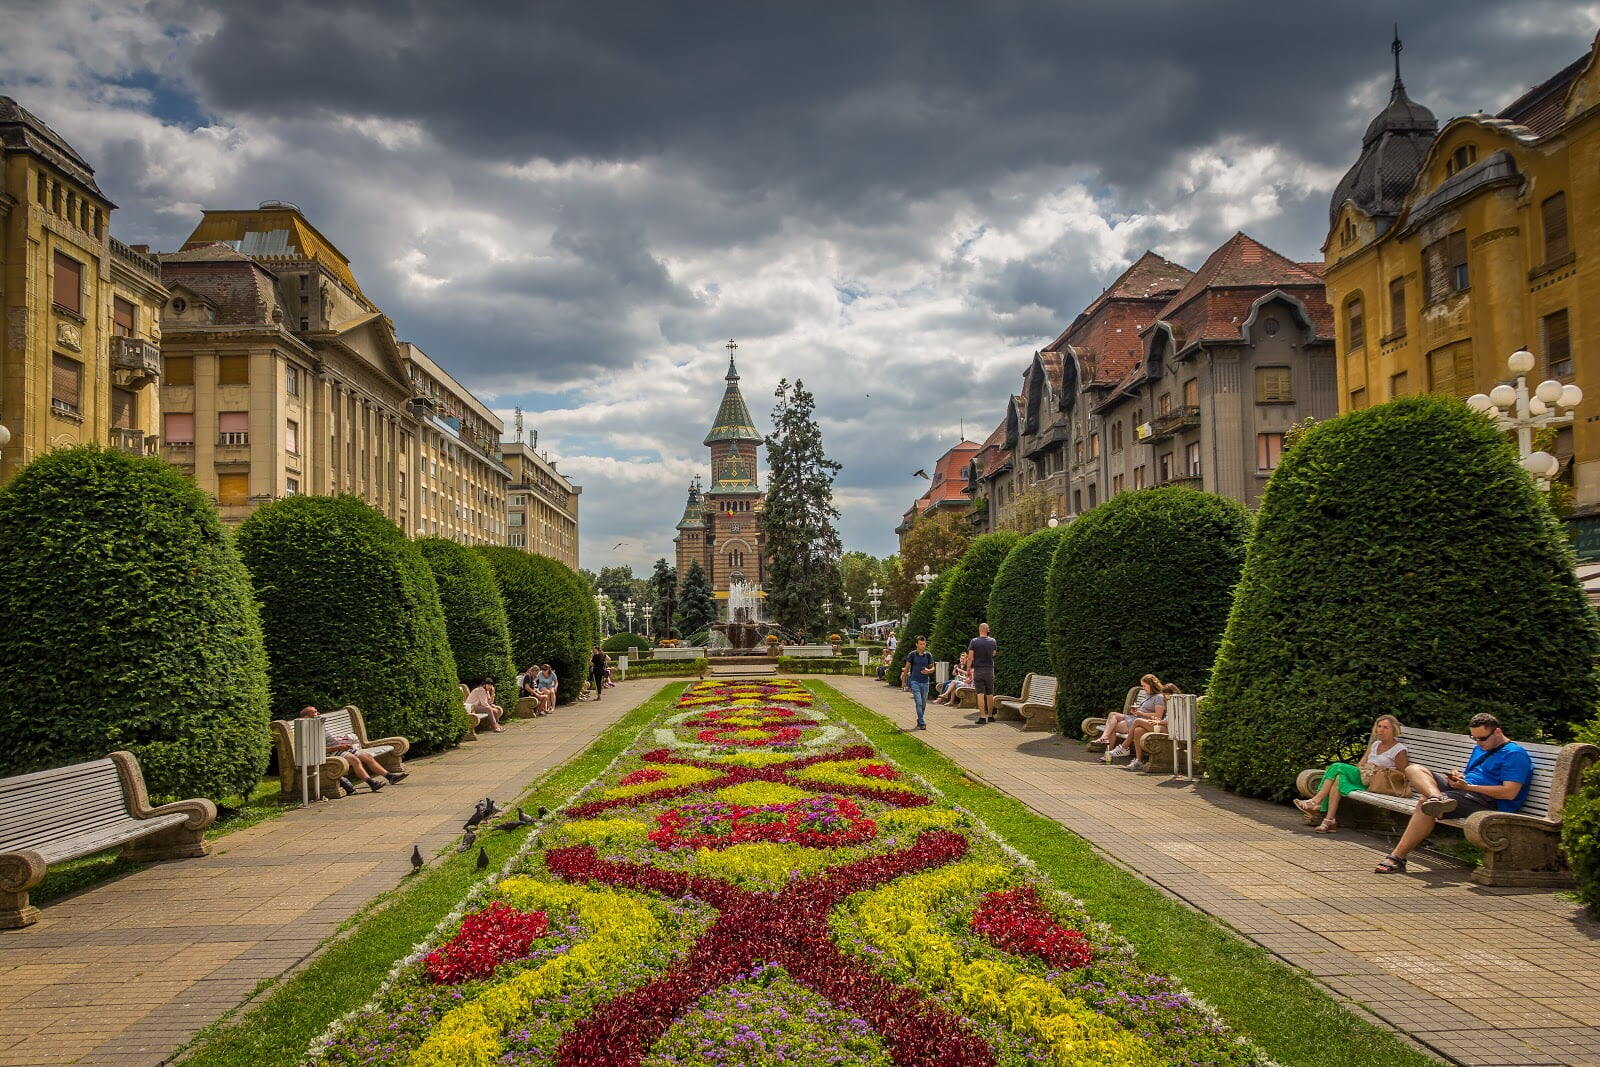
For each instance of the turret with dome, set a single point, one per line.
(1392, 153)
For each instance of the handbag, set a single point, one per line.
(1390, 781)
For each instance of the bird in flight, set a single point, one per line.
(921, 474)
(618, 545)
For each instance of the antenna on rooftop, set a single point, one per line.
(519, 424)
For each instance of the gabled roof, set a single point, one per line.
(242, 290)
(948, 483)
(1542, 109)
(1241, 260)
(1050, 363)
(22, 131)
(1105, 335)
(733, 421)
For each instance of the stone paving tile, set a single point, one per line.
(1401, 948)
(125, 973)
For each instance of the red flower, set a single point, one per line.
(823, 822)
(487, 939)
(879, 770)
(1014, 920)
(642, 776)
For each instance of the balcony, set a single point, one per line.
(1192, 481)
(1174, 421)
(233, 439)
(132, 441)
(135, 362)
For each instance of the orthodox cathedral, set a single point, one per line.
(719, 529)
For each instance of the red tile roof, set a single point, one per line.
(243, 291)
(1105, 335)
(1543, 108)
(1216, 301)
(1050, 362)
(948, 483)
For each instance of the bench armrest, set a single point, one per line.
(199, 813)
(1307, 782)
(20, 870)
(1493, 831)
(400, 745)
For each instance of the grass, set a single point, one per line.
(1284, 1012)
(279, 1028)
(63, 879)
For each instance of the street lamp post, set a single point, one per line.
(600, 602)
(1512, 407)
(627, 607)
(924, 578)
(876, 593)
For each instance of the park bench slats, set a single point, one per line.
(1036, 707)
(809, 651)
(98, 839)
(341, 722)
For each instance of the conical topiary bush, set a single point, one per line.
(1017, 610)
(552, 615)
(1402, 562)
(129, 624)
(352, 616)
(474, 615)
(1141, 585)
(919, 620)
(966, 598)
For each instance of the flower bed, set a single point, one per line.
(801, 902)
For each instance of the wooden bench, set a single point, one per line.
(678, 653)
(62, 814)
(1093, 726)
(1035, 708)
(1519, 848)
(809, 651)
(345, 722)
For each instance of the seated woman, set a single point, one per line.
(1384, 768)
(1151, 703)
(481, 701)
(544, 687)
(960, 678)
(1142, 728)
(883, 662)
(362, 767)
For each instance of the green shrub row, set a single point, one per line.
(966, 599)
(1017, 610)
(553, 619)
(666, 668)
(474, 615)
(815, 665)
(919, 620)
(624, 643)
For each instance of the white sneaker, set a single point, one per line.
(1135, 765)
(1118, 752)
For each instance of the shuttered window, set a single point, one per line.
(233, 370)
(1444, 266)
(122, 317)
(1554, 212)
(1557, 345)
(1355, 318)
(1191, 393)
(1397, 307)
(68, 284)
(1450, 371)
(66, 383)
(291, 437)
(1398, 385)
(122, 409)
(177, 370)
(1273, 385)
(177, 428)
(1269, 450)
(1358, 399)
(233, 490)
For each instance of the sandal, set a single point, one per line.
(1390, 865)
(1310, 807)
(1327, 826)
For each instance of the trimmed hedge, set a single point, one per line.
(918, 621)
(1580, 839)
(474, 616)
(129, 623)
(815, 665)
(623, 643)
(1016, 612)
(552, 614)
(351, 615)
(667, 668)
(1141, 585)
(1402, 562)
(966, 599)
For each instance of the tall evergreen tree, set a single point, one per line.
(664, 598)
(803, 545)
(696, 606)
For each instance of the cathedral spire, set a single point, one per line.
(1397, 48)
(733, 372)
(733, 421)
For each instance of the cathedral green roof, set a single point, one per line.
(692, 519)
(733, 421)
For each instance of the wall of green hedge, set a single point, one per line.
(1016, 612)
(667, 668)
(552, 615)
(1402, 562)
(624, 643)
(474, 616)
(966, 599)
(919, 620)
(351, 615)
(813, 665)
(129, 624)
(1141, 584)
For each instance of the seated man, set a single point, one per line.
(481, 701)
(1496, 779)
(362, 767)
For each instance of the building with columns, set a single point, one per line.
(720, 527)
(541, 503)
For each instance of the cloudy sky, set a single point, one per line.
(573, 205)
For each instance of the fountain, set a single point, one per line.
(743, 630)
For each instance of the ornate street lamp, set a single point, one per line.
(627, 607)
(1513, 408)
(876, 593)
(600, 602)
(925, 578)
(1052, 521)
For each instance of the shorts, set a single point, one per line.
(983, 682)
(1466, 803)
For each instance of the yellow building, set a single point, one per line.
(461, 480)
(79, 349)
(1449, 248)
(541, 504)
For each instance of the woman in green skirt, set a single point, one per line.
(1382, 770)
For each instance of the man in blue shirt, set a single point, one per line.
(919, 672)
(1496, 779)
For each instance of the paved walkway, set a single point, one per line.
(1312, 900)
(126, 972)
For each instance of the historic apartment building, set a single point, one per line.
(541, 504)
(947, 487)
(1450, 248)
(283, 378)
(79, 349)
(719, 528)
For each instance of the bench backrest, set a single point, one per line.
(1133, 695)
(678, 653)
(48, 805)
(1443, 752)
(339, 724)
(810, 651)
(1039, 689)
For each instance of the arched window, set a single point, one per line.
(1355, 321)
(735, 558)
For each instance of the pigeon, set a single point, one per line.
(416, 857)
(618, 545)
(466, 841)
(491, 808)
(483, 858)
(544, 812)
(523, 818)
(479, 813)
(919, 473)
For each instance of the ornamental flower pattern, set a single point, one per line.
(769, 875)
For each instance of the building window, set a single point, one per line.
(66, 384)
(68, 284)
(1398, 385)
(1116, 484)
(291, 381)
(177, 428)
(735, 558)
(1557, 344)
(1444, 267)
(1191, 393)
(1554, 213)
(519, 540)
(121, 409)
(1462, 158)
(233, 370)
(1355, 324)
(291, 437)
(1094, 446)
(233, 490)
(1348, 234)
(291, 487)
(1116, 438)
(1397, 307)
(1094, 496)
(1163, 404)
(1274, 385)
(516, 518)
(1077, 452)
(1191, 458)
(1269, 450)
(1077, 501)
(1164, 467)
(1450, 371)
(1138, 477)
(122, 317)
(1358, 399)
(233, 428)
(177, 370)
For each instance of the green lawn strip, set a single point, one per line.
(279, 1028)
(1277, 1006)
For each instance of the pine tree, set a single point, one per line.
(664, 598)
(697, 608)
(803, 545)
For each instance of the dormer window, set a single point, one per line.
(1348, 236)
(1462, 158)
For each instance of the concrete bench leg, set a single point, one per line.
(1517, 854)
(1039, 720)
(173, 843)
(1092, 729)
(19, 872)
(1006, 713)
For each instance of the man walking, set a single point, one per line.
(919, 672)
(983, 652)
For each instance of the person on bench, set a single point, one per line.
(1150, 704)
(1382, 769)
(1496, 779)
(1144, 727)
(961, 678)
(544, 687)
(481, 702)
(363, 768)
